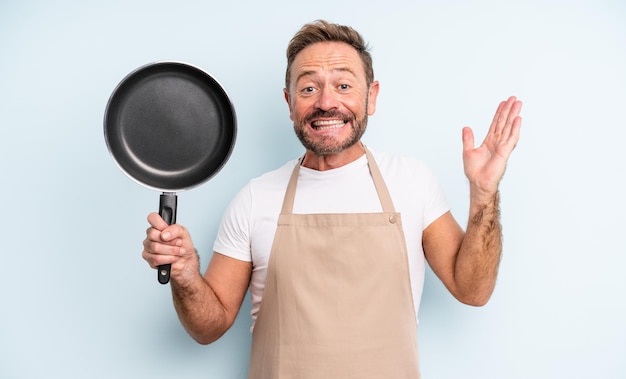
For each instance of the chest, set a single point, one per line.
(355, 193)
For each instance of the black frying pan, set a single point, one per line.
(169, 126)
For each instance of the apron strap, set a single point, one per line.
(290, 194)
(379, 183)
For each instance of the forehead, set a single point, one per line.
(323, 57)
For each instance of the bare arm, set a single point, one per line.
(206, 306)
(467, 262)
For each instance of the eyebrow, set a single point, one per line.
(312, 72)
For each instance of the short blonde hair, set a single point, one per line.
(324, 31)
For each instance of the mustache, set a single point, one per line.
(327, 114)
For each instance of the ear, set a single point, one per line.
(372, 95)
(288, 100)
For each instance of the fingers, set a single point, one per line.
(506, 115)
(514, 132)
(157, 253)
(164, 232)
(156, 221)
(496, 118)
(164, 244)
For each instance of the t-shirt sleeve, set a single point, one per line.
(233, 236)
(436, 201)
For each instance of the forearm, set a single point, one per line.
(476, 267)
(199, 310)
(206, 306)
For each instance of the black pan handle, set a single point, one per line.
(167, 210)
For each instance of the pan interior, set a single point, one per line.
(170, 126)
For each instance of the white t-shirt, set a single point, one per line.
(249, 223)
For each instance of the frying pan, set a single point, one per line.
(170, 126)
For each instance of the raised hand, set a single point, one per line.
(485, 165)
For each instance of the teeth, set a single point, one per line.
(328, 124)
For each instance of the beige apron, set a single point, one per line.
(337, 302)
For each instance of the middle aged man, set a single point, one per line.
(333, 245)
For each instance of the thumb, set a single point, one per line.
(156, 221)
(468, 138)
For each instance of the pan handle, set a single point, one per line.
(167, 210)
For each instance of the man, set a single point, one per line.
(321, 242)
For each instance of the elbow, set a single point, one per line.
(204, 341)
(474, 298)
(476, 302)
(206, 331)
(207, 334)
(475, 293)
(206, 338)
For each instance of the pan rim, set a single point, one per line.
(225, 101)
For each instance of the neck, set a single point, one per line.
(331, 161)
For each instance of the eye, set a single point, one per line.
(344, 87)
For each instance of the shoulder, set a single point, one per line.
(408, 177)
(407, 166)
(276, 179)
(264, 185)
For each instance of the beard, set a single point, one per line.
(329, 145)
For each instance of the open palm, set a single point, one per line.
(485, 165)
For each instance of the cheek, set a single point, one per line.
(358, 107)
(293, 112)
(297, 110)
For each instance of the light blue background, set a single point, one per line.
(77, 300)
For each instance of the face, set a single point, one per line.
(329, 100)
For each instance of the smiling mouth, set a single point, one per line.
(327, 124)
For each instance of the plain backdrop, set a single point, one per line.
(77, 300)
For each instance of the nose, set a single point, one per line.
(327, 99)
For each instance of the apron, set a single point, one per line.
(337, 302)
